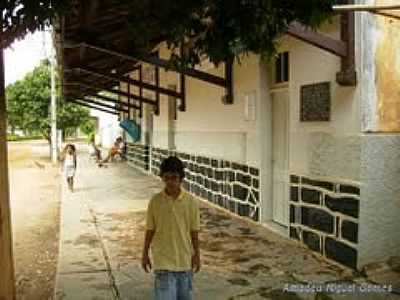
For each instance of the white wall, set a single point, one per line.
(332, 148)
(208, 126)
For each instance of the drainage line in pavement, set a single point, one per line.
(111, 277)
(84, 272)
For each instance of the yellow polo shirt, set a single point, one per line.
(172, 220)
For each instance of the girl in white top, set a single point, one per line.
(69, 158)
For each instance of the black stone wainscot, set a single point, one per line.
(341, 252)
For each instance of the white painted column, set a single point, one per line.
(264, 136)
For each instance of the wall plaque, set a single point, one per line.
(315, 102)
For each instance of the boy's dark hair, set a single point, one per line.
(174, 165)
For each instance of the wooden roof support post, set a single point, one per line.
(344, 48)
(157, 108)
(347, 75)
(141, 91)
(130, 110)
(229, 81)
(128, 100)
(182, 106)
(7, 283)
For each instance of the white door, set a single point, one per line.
(280, 172)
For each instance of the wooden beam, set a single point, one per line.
(90, 101)
(105, 98)
(92, 107)
(87, 14)
(380, 13)
(94, 93)
(364, 7)
(102, 88)
(338, 48)
(96, 63)
(127, 80)
(114, 32)
(156, 62)
(7, 283)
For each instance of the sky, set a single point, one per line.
(24, 55)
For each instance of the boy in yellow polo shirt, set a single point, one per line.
(172, 226)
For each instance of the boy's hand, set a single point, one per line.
(146, 264)
(196, 262)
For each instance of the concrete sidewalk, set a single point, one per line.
(102, 228)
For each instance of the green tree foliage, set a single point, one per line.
(22, 16)
(88, 127)
(221, 29)
(28, 103)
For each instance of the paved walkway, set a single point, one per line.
(102, 227)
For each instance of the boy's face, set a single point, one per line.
(172, 180)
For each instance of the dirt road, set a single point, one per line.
(34, 190)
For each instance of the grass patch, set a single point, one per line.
(16, 138)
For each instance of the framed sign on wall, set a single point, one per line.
(315, 102)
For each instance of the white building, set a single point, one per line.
(296, 151)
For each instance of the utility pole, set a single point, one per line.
(53, 103)
(7, 286)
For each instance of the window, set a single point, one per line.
(282, 68)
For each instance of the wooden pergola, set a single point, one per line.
(96, 53)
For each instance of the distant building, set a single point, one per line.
(108, 128)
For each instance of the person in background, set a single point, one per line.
(96, 152)
(69, 159)
(117, 149)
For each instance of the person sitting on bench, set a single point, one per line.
(117, 149)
